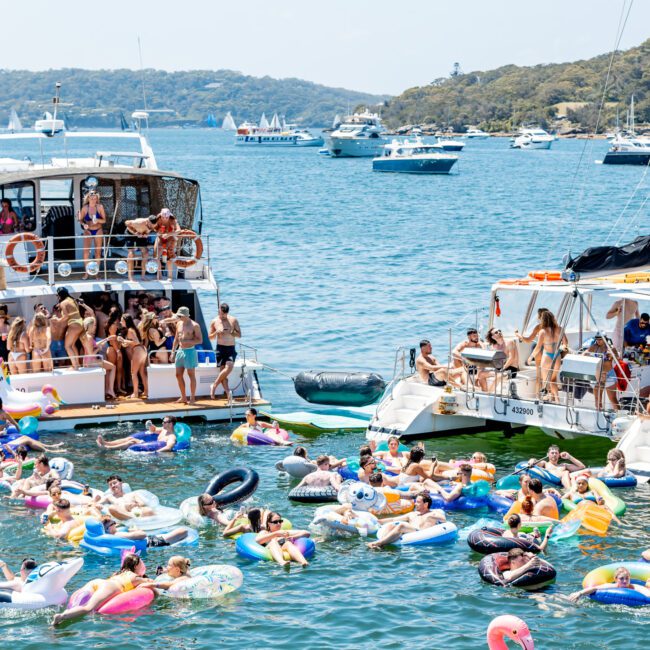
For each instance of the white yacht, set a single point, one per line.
(449, 144)
(532, 138)
(628, 149)
(474, 133)
(360, 135)
(285, 135)
(414, 157)
(580, 297)
(46, 189)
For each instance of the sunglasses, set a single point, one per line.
(277, 521)
(167, 421)
(209, 503)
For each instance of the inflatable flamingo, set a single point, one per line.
(21, 404)
(512, 627)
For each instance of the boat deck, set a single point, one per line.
(137, 410)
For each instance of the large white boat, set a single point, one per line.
(275, 134)
(360, 135)
(532, 138)
(583, 297)
(414, 157)
(628, 148)
(45, 252)
(474, 133)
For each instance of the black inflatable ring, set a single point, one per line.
(312, 494)
(491, 540)
(491, 569)
(247, 479)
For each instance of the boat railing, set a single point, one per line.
(399, 373)
(56, 259)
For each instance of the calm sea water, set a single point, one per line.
(329, 266)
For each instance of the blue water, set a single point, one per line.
(329, 266)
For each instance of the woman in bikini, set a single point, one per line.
(529, 339)
(74, 330)
(95, 353)
(18, 347)
(130, 576)
(137, 354)
(152, 334)
(9, 221)
(114, 353)
(550, 342)
(279, 541)
(415, 472)
(92, 217)
(40, 339)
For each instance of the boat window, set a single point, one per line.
(23, 203)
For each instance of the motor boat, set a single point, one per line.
(276, 135)
(628, 149)
(449, 144)
(360, 135)
(532, 138)
(413, 157)
(476, 134)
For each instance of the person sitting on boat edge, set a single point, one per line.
(165, 433)
(15, 582)
(420, 519)
(559, 469)
(636, 331)
(225, 328)
(137, 239)
(433, 373)
(478, 376)
(323, 476)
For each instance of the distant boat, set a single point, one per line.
(124, 125)
(14, 122)
(211, 120)
(413, 157)
(476, 134)
(49, 125)
(264, 123)
(228, 123)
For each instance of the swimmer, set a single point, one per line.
(420, 519)
(178, 569)
(165, 433)
(15, 582)
(323, 476)
(130, 576)
(519, 562)
(622, 580)
(270, 430)
(279, 541)
(555, 466)
(514, 532)
(208, 508)
(153, 541)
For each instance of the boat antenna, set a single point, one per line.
(144, 92)
(56, 99)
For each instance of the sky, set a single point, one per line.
(373, 46)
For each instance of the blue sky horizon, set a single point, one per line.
(374, 46)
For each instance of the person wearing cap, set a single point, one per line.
(602, 347)
(137, 231)
(165, 246)
(472, 341)
(184, 355)
(225, 329)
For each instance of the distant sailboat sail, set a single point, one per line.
(14, 122)
(228, 123)
(211, 120)
(337, 121)
(275, 122)
(264, 123)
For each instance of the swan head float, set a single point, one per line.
(361, 496)
(511, 627)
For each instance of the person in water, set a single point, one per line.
(165, 433)
(393, 458)
(622, 580)
(559, 469)
(268, 429)
(178, 570)
(207, 507)
(153, 541)
(130, 576)
(124, 505)
(519, 563)
(581, 491)
(420, 519)
(415, 470)
(514, 532)
(254, 521)
(528, 514)
(280, 541)
(544, 505)
(323, 476)
(465, 474)
(42, 472)
(13, 582)
(62, 528)
(615, 466)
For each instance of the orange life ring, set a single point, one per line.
(548, 276)
(185, 262)
(39, 245)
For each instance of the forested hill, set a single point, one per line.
(98, 96)
(503, 99)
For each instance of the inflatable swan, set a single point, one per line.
(45, 586)
(21, 404)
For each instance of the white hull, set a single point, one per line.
(356, 147)
(277, 141)
(543, 144)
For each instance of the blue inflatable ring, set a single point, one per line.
(247, 547)
(539, 472)
(95, 539)
(151, 443)
(629, 480)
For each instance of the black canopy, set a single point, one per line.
(604, 260)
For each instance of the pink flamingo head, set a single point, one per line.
(513, 628)
(50, 408)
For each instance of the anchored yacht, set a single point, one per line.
(586, 298)
(532, 138)
(628, 149)
(276, 135)
(476, 134)
(414, 157)
(46, 188)
(360, 135)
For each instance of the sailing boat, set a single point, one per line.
(124, 125)
(228, 123)
(14, 122)
(275, 122)
(264, 123)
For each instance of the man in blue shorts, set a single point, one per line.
(188, 336)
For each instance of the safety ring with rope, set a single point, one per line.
(36, 263)
(186, 262)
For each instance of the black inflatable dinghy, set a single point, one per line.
(340, 388)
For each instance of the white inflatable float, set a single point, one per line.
(21, 404)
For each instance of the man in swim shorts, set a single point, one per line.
(165, 433)
(556, 467)
(123, 505)
(323, 476)
(420, 519)
(137, 231)
(42, 472)
(225, 329)
(431, 372)
(479, 376)
(188, 336)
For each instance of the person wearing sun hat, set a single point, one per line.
(188, 336)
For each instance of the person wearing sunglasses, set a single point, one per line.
(280, 541)
(15, 582)
(153, 541)
(165, 433)
(253, 521)
(478, 376)
(208, 508)
(495, 340)
(622, 580)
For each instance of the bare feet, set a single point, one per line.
(213, 390)
(192, 401)
(100, 441)
(373, 546)
(134, 396)
(181, 400)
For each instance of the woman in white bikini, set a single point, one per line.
(18, 346)
(40, 339)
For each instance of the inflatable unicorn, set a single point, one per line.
(45, 586)
(21, 404)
